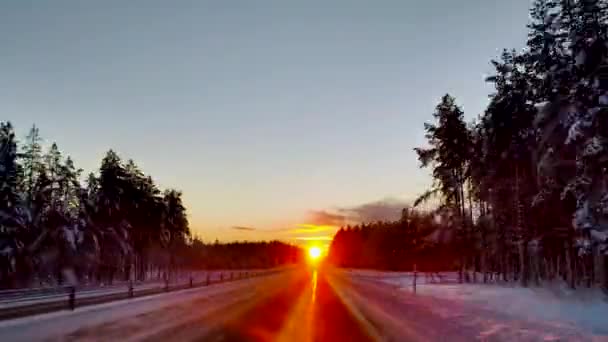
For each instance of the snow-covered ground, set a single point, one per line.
(583, 309)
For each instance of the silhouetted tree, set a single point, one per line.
(119, 225)
(448, 156)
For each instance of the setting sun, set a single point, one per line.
(314, 253)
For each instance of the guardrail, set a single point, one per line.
(20, 303)
(413, 278)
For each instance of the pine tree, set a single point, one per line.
(9, 196)
(448, 156)
(11, 225)
(543, 48)
(111, 187)
(448, 152)
(53, 162)
(144, 213)
(69, 188)
(175, 218)
(175, 223)
(572, 147)
(46, 215)
(32, 160)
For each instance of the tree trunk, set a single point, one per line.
(523, 247)
(523, 263)
(483, 266)
(537, 266)
(460, 273)
(558, 266)
(604, 273)
(570, 265)
(505, 266)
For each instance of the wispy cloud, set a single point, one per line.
(388, 209)
(243, 228)
(325, 218)
(321, 225)
(384, 210)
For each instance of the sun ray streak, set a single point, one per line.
(302, 312)
(363, 322)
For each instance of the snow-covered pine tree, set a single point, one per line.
(9, 198)
(542, 53)
(10, 227)
(574, 137)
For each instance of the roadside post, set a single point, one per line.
(415, 276)
(72, 297)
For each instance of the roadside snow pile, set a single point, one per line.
(585, 308)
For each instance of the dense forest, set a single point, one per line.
(114, 224)
(522, 190)
(417, 238)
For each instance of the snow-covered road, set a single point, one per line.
(132, 319)
(297, 305)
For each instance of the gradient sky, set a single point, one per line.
(260, 111)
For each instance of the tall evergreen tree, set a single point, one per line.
(9, 170)
(32, 160)
(111, 187)
(448, 155)
(53, 162)
(175, 218)
(11, 228)
(70, 188)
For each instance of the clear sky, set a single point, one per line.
(265, 113)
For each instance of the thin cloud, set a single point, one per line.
(243, 228)
(388, 209)
(385, 210)
(325, 218)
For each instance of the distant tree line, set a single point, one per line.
(112, 224)
(524, 188)
(418, 238)
(243, 255)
